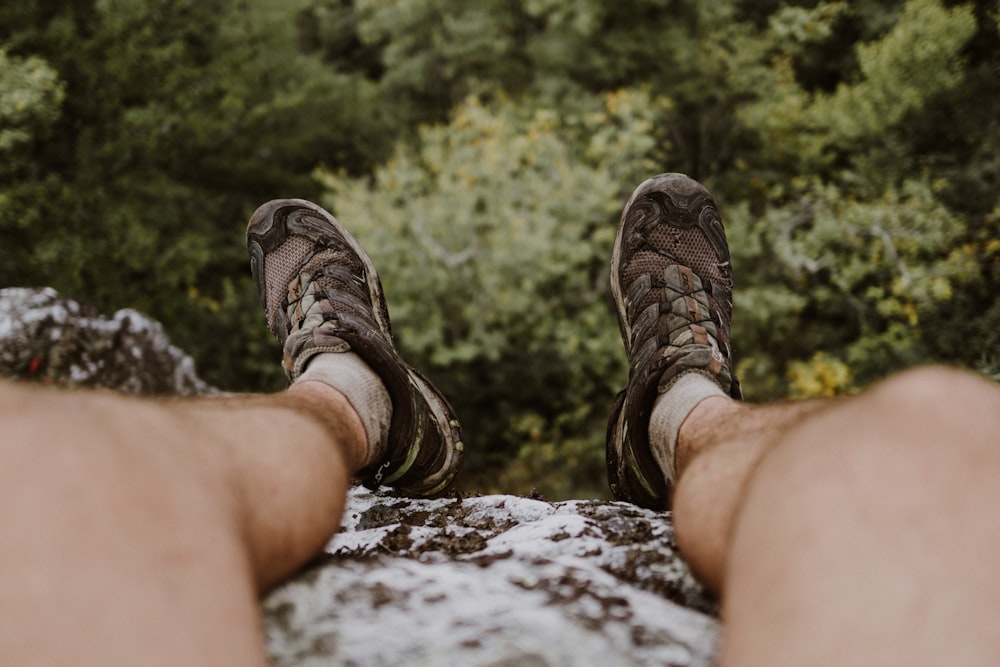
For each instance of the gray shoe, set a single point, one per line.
(321, 293)
(672, 286)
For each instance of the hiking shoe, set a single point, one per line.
(321, 293)
(672, 286)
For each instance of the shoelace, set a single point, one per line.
(341, 286)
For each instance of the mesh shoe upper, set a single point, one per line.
(672, 285)
(320, 293)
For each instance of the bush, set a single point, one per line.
(492, 236)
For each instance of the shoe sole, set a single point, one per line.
(443, 414)
(690, 188)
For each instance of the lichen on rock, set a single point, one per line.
(49, 338)
(494, 580)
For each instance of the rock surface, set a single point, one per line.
(493, 580)
(50, 338)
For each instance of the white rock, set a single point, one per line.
(495, 580)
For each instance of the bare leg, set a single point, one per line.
(862, 534)
(141, 532)
(719, 444)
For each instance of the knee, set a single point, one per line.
(931, 387)
(928, 435)
(928, 423)
(935, 398)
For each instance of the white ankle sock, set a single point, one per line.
(350, 375)
(670, 410)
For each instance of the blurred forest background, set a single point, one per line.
(481, 151)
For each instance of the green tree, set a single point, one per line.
(492, 235)
(858, 281)
(860, 124)
(30, 98)
(849, 243)
(178, 119)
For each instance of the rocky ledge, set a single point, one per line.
(49, 338)
(491, 580)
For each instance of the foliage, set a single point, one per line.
(492, 236)
(177, 119)
(30, 95)
(855, 251)
(481, 150)
(853, 279)
(816, 132)
(822, 375)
